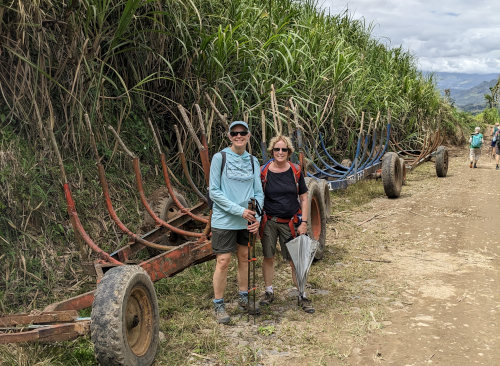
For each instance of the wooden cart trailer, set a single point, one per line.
(430, 147)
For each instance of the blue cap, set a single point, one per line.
(236, 123)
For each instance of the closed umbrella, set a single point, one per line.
(302, 249)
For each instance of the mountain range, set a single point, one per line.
(466, 90)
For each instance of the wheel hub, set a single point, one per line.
(138, 323)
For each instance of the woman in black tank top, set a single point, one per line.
(285, 208)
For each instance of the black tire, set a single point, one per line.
(124, 320)
(325, 193)
(441, 161)
(392, 175)
(403, 171)
(316, 224)
(163, 206)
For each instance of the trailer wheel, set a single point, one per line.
(403, 170)
(325, 193)
(316, 224)
(163, 206)
(392, 177)
(441, 161)
(124, 319)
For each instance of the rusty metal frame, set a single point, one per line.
(168, 183)
(77, 225)
(116, 219)
(183, 209)
(140, 190)
(414, 158)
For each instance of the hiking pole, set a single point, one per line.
(254, 287)
(251, 263)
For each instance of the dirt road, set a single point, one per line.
(446, 270)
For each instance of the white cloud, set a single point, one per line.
(447, 35)
(460, 64)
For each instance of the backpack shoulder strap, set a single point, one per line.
(296, 170)
(263, 173)
(252, 162)
(223, 163)
(296, 173)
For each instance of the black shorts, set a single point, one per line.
(227, 241)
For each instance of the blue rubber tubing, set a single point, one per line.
(369, 161)
(348, 169)
(326, 164)
(386, 143)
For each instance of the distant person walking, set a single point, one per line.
(234, 180)
(475, 141)
(494, 139)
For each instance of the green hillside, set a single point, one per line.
(472, 100)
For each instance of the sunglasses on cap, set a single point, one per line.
(236, 133)
(284, 149)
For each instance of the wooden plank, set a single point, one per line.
(49, 333)
(41, 318)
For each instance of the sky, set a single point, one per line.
(444, 35)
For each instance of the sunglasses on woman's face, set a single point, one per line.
(284, 149)
(236, 133)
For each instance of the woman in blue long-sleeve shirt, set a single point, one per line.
(234, 180)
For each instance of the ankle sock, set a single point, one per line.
(218, 301)
(270, 288)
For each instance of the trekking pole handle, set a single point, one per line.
(251, 206)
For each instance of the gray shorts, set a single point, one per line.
(475, 153)
(227, 241)
(272, 232)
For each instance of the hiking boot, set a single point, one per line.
(266, 299)
(245, 305)
(220, 313)
(470, 165)
(306, 305)
(475, 166)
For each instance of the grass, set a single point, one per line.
(79, 352)
(355, 195)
